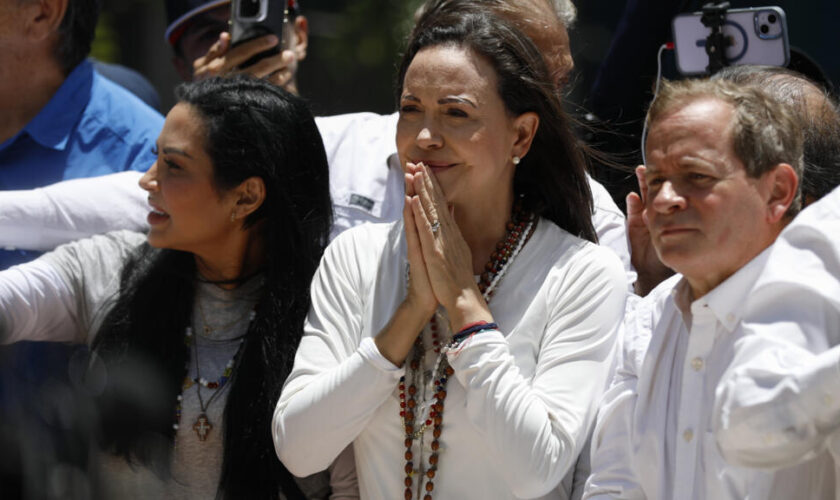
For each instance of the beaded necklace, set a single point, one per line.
(519, 230)
(202, 425)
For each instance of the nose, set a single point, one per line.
(148, 180)
(428, 137)
(667, 199)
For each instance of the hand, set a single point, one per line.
(420, 294)
(223, 60)
(651, 271)
(396, 339)
(447, 256)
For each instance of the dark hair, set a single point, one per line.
(76, 33)
(252, 128)
(817, 112)
(551, 178)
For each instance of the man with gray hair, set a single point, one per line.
(720, 184)
(819, 119)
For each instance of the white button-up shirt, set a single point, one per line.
(653, 438)
(780, 402)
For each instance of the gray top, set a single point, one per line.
(66, 294)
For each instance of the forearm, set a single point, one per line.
(312, 398)
(775, 414)
(394, 342)
(36, 305)
(43, 218)
(517, 417)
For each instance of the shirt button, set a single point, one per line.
(697, 364)
(688, 435)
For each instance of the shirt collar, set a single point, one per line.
(725, 301)
(52, 126)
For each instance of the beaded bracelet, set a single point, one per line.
(471, 329)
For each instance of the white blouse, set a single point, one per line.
(521, 402)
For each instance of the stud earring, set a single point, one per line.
(516, 160)
(233, 216)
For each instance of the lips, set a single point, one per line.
(156, 215)
(436, 166)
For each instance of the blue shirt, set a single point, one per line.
(90, 127)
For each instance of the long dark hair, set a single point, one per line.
(252, 129)
(552, 176)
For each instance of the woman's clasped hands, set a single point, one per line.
(440, 261)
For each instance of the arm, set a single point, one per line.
(58, 297)
(338, 372)
(553, 411)
(612, 474)
(333, 374)
(777, 405)
(41, 219)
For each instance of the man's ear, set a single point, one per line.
(42, 18)
(783, 191)
(525, 126)
(250, 195)
(301, 28)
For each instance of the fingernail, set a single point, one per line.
(272, 39)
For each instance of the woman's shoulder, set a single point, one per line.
(366, 242)
(568, 252)
(101, 249)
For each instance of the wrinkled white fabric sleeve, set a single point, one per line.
(610, 226)
(536, 428)
(36, 304)
(779, 403)
(329, 357)
(43, 218)
(59, 297)
(611, 463)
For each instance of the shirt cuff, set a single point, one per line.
(371, 354)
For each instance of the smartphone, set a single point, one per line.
(757, 35)
(251, 19)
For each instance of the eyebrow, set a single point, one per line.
(444, 100)
(176, 151)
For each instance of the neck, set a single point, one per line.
(483, 228)
(227, 263)
(27, 83)
(704, 281)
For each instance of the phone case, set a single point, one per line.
(269, 18)
(758, 35)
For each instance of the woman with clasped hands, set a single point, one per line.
(463, 350)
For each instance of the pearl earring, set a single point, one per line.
(233, 216)
(516, 160)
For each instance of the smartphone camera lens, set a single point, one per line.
(765, 29)
(771, 18)
(249, 8)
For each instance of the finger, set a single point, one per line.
(409, 185)
(424, 230)
(434, 186)
(224, 41)
(634, 204)
(278, 63)
(241, 53)
(411, 238)
(640, 178)
(427, 204)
